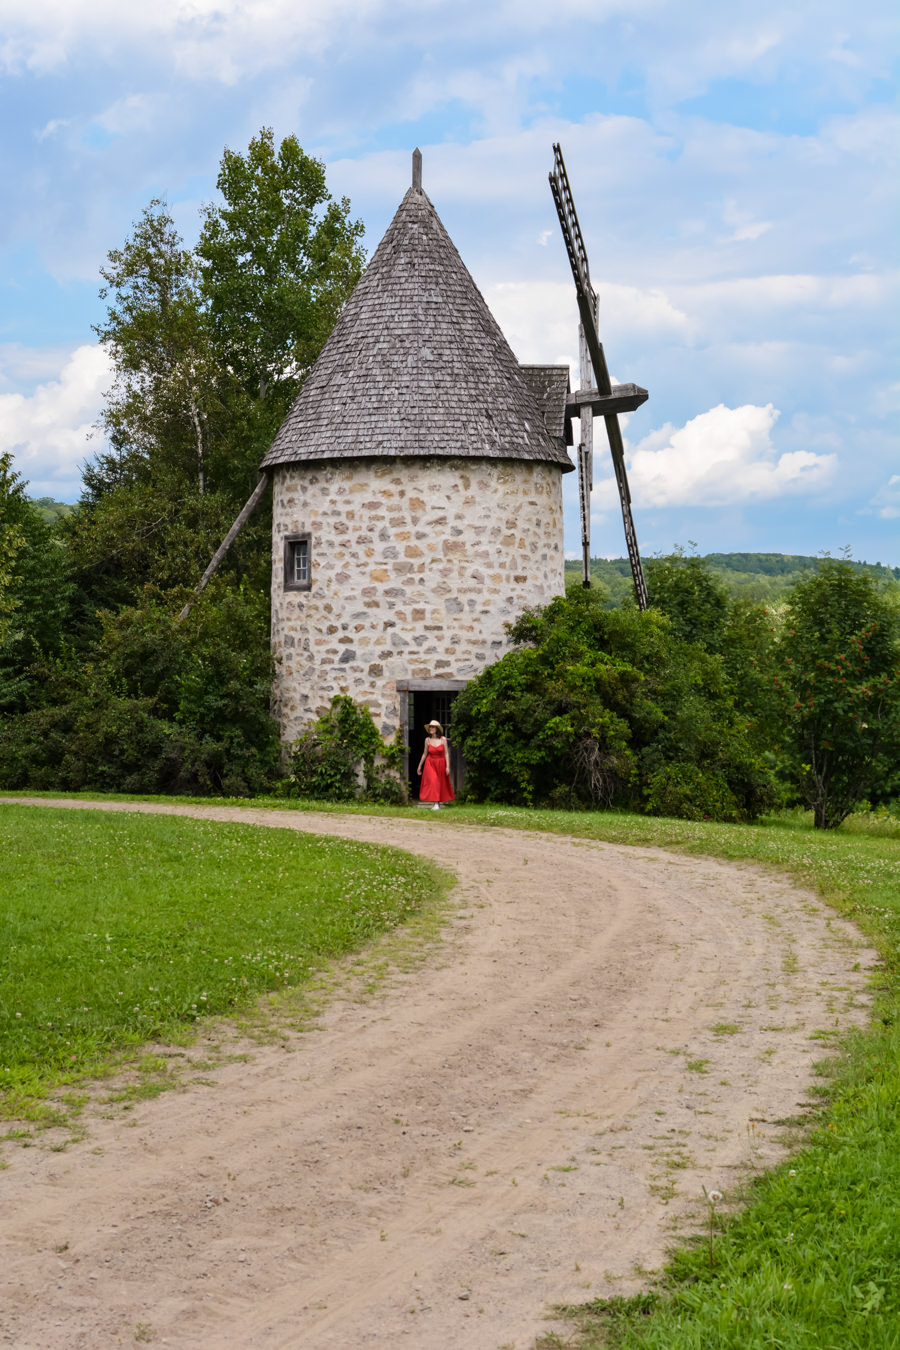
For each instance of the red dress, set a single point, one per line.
(435, 785)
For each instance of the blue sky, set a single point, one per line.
(734, 169)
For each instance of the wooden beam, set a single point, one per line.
(624, 398)
(247, 511)
(586, 447)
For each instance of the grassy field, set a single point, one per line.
(118, 930)
(813, 1261)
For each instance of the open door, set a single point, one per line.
(435, 701)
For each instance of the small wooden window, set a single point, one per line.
(297, 562)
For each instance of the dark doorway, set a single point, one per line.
(425, 705)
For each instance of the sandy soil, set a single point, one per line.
(527, 1118)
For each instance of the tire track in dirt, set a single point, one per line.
(523, 1120)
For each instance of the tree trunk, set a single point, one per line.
(198, 431)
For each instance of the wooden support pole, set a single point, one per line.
(596, 394)
(586, 451)
(247, 511)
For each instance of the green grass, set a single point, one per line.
(117, 930)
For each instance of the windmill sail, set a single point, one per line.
(594, 373)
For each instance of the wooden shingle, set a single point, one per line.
(550, 387)
(417, 365)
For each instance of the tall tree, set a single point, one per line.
(209, 348)
(278, 259)
(840, 679)
(683, 586)
(737, 631)
(166, 372)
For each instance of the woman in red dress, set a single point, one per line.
(435, 786)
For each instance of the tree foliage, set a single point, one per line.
(157, 706)
(704, 707)
(695, 600)
(11, 541)
(600, 707)
(209, 346)
(278, 258)
(763, 578)
(342, 757)
(741, 633)
(840, 680)
(166, 376)
(35, 590)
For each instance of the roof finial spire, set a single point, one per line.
(417, 169)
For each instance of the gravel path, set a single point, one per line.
(526, 1118)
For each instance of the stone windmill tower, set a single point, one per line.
(417, 492)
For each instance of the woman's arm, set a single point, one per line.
(446, 753)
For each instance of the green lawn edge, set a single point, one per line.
(188, 962)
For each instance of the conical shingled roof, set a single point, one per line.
(416, 364)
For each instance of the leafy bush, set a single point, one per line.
(599, 707)
(688, 792)
(695, 599)
(342, 757)
(158, 706)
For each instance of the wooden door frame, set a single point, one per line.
(407, 687)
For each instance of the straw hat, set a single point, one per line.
(434, 723)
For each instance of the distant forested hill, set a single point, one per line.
(51, 510)
(756, 576)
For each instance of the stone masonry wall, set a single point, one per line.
(417, 564)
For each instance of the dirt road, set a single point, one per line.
(525, 1119)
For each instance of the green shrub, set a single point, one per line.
(688, 792)
(158, 706)
(342, 757)
(599, 707)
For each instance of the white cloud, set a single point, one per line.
(21, 368)
(744, 228)
(137, 112)
(203, 39)
(682, 49)
(48, 430)
(869, 134)
(887, 499)
(539, 321)
(770, 293)
(51, 128)
(641, 312)
(540, 318)
(722, 457)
